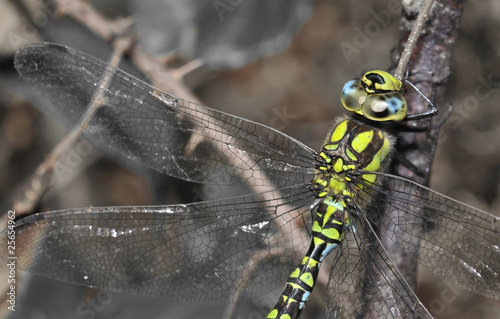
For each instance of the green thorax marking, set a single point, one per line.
(350, 147)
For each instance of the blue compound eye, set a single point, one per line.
(353, 95)
(385, 107)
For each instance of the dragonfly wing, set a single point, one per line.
(365, 283)
(156, 129)
(198, 253)
(454, 240)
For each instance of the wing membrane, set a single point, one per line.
(365, 283)
(166, 133)
(195, 253)
(454, 240)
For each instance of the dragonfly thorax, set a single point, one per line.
(350, 151)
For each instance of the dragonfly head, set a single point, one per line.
(377, 96)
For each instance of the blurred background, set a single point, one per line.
(280, 63)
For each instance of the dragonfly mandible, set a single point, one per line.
(234, 249)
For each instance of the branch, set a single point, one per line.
(429, 70)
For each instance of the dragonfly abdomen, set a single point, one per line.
(326, 236)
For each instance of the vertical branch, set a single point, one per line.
(428, 70)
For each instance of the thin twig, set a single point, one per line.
(160, 76)
(412, 39)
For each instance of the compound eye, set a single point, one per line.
(385, 107)
(353, 95)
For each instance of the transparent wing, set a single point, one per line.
(197, 253)
(454, 240)
(156, 129)
(365, 283)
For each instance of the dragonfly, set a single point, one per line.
(234, 249)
